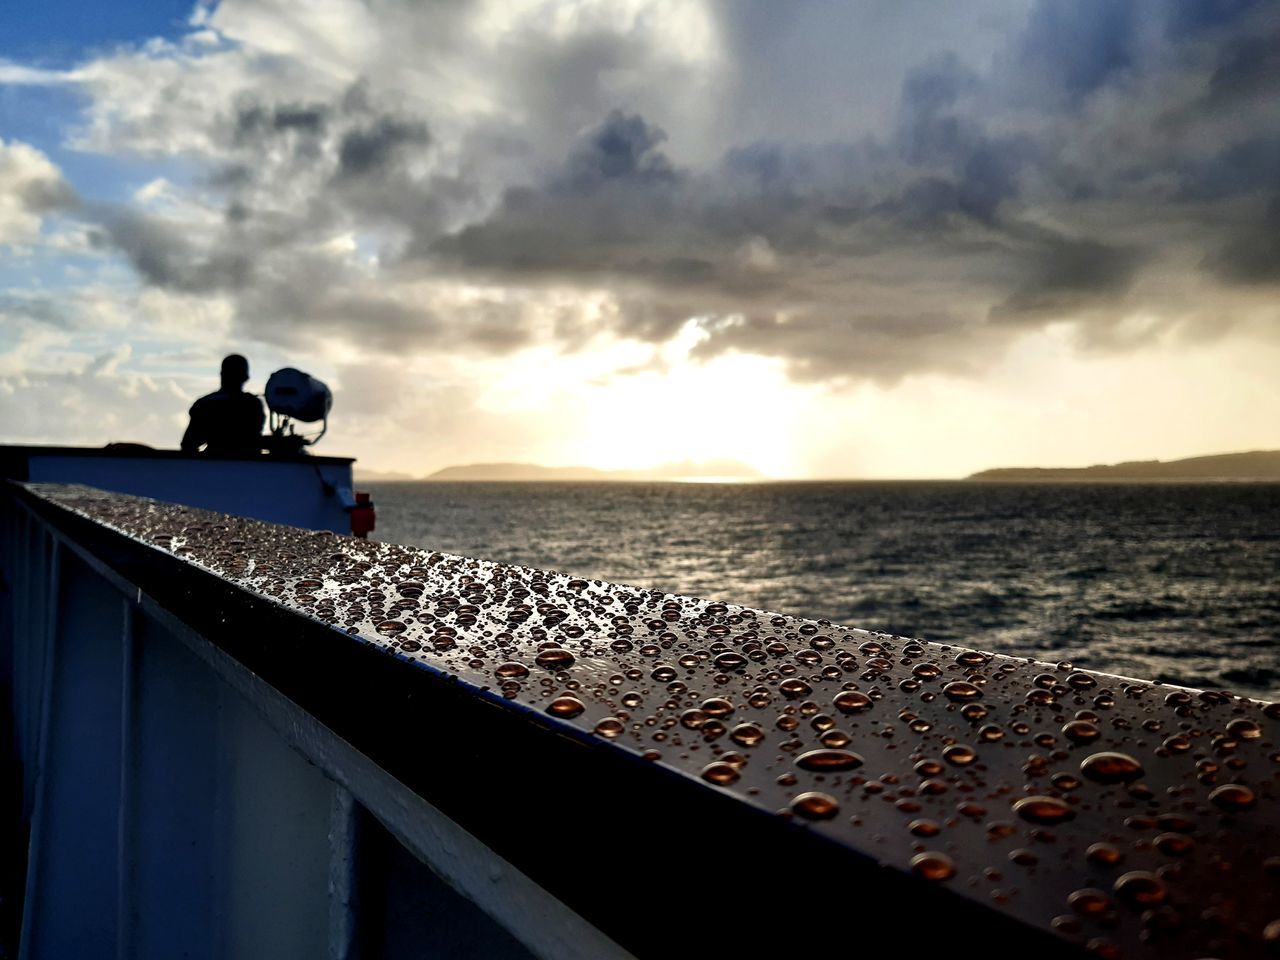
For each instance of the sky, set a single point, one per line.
(826, 238)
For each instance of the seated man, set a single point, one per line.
(229, 422)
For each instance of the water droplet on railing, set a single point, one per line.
(554, 659)
(815, 806)
(852, 701)
(933, 866)
(566, 707)
(1043, 810)
(1111, 767)
(823, 761)
(1233, 798)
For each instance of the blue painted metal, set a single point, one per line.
(299, 491)
(71, 905)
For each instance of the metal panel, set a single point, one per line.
(168, 844)
(300, 494)
(71, 889)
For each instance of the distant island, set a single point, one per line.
(1256, 465)
(684, 470)
(381, 476)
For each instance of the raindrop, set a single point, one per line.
(1174, 844)
(610, 728)
(823, 761)
(1244, 729)
(928, 767)
(731, 661)
(1110, 767)
(1104, 854)
(720, 773)
(1081, 731)
(1089, 901)
(933, 866)
(746, 734)
(1043, 810)
(692, 719)
(815, 806)
(990, 733)
(960, 754)
(554, 659)
(851, 701)
(565, 707)
(961, 691)
(793, 689)
(1140, 888)
(1233, 798)
(717, 707)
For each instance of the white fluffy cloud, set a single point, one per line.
(31, 188)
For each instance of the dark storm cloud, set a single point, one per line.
(1061, 274)
(292, 175)
(1252, 256)
(1196, 18)
(256, 121)
(372, 149)
(1249, 165)
(49, 195)
(959, 189)
(1071, 49)
(847, 344)
(1248, 69)
(623, 148)
(165, 258)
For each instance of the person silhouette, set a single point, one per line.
(228, 422)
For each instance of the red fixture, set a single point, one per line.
(363, 516)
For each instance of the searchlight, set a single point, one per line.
(296, 397)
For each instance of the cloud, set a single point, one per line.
(31, 188)
(1063, 274)
(92, 406)
(624, 148)
(1070, 50)
(164, 257)
(373, 149)
(106, 364)
(1252, 256)
(1248, 69)
(487, 178)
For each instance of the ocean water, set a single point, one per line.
(1171, 582)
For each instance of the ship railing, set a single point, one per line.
(234, 739)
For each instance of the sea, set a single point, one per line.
(1176, 582)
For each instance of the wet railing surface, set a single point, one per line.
(664, 762)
